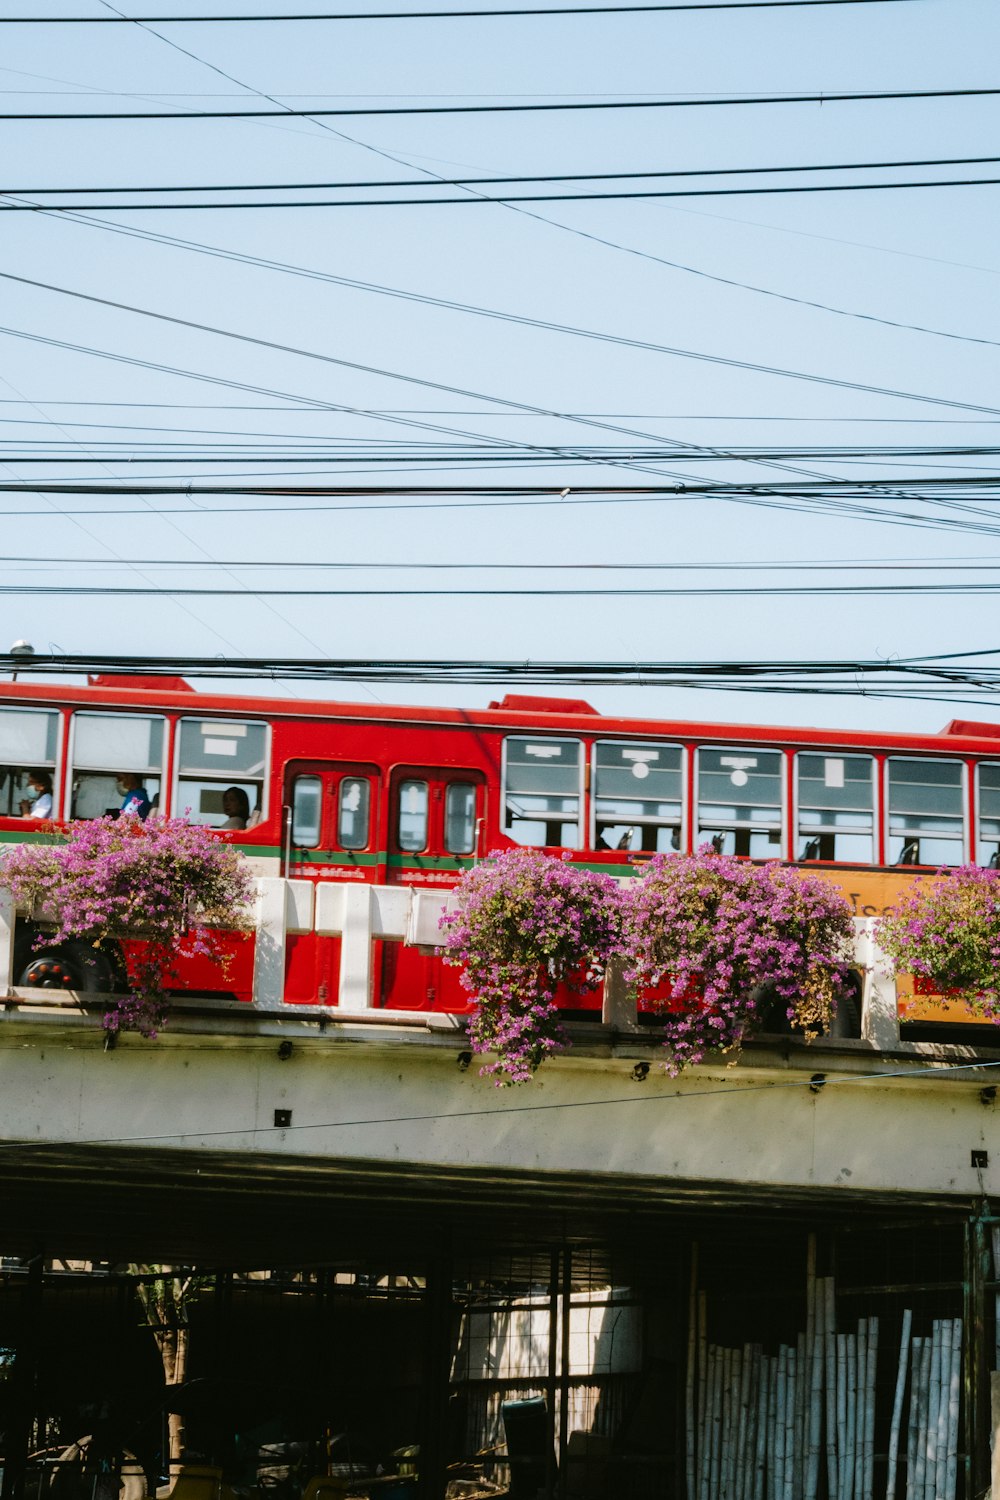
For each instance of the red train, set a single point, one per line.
(396, 795)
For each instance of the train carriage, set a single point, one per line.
(413, 795)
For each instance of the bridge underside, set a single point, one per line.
(211, 1208)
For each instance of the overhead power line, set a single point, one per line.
(937, 676)
(798, 565)
(742, 101)
(438, 182)
(425, 15)
(238, 257)
(483, 198)
(452, 390)
(695, 591)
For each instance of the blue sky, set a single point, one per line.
(916, 257)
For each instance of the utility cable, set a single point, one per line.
(632, 196)
(718, 102)
(458, 391)
(425, 15)
(401, 182)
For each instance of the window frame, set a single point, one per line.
(836, 753)
(977, 813)
(58, 764)
(177, 775)
(682, 822)
(162, 807)
(783, 755)
(371, 793)
(306, 776)
(397, 810)
(581, 821)
(947, 760)
(447, 783)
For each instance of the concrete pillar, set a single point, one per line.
(283, 907)
(879, 1012)
(8, 918)
(618, 1002)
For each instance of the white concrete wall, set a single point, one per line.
(387, 1095)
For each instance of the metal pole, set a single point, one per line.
(567, 1304)
(552, 1383)
(23, 1379)
(437, 1378)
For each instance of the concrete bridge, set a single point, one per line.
(287, 1118)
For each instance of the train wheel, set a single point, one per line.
(65, 966)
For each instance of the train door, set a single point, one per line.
(329, 832)
(436, 828)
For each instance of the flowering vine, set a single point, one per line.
(523, 924)
(162, 880)
(948, 931)
(723, 938)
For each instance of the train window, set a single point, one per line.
(411, 827)
(740, 801)
(835, 795)
(307, 811)
(926, 822)
(215, 756)
(354, 812)
(460, 817)
(988, 843)
(637, 796)
(116, 762)
(542, 791)
(28, 741)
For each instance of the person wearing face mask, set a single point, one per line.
(40, 804)
(136, 802)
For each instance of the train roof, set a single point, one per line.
(513, 711)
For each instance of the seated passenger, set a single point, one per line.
(40, 805)
(136, 799)
(236, 806)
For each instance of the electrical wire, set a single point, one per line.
(809, 565)
(631, 196)
(400, 182)
(312, 274)
(459, 391)
(576, 10)
(742, 101)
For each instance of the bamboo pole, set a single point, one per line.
(860, 1366)
(716, 1419)
(871, 1372)
(734, 1367)
(780, 1427)
(692, 1375)
(954, 1395)
(760, 1451)
(830, 1357)
(853, 1474)
(814, 1426)
(897, 1405)
(702, 1395)
(842, 1453)
(913, 1417)
(933, 1388)
(922, 1380)
(791, 1425)
(943, 1389)
(744, 1439)
(801, 1392)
